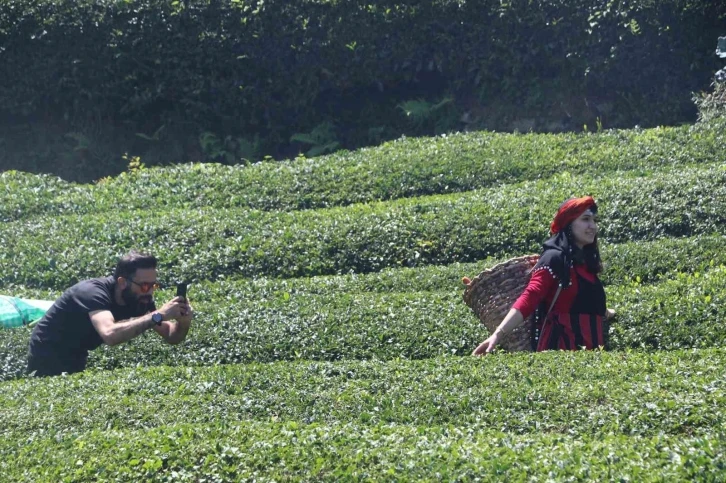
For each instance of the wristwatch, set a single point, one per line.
(157, 318)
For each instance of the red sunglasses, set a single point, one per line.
(146, 286)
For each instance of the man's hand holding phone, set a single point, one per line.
(181, 290)
(177, 308)
(181, 294)
(174, 309)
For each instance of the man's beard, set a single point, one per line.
(140, 304)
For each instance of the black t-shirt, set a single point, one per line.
(66, 329)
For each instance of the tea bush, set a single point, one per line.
(211, 243)
(398, 169)
(350, 452)
(587, 392)
(584, 415)
(412, 313)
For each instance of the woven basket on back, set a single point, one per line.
(492, 293)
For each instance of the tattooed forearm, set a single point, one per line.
(125, 330)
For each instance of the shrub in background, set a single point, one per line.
(85, 80)
(713, 104)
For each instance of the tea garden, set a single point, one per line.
(331, 341)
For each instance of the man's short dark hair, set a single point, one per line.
(132, 261)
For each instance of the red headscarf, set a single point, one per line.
(569, 212)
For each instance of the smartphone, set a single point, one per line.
(181, 290)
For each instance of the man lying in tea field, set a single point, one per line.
(108, 310)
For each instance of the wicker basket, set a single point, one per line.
(492, 293)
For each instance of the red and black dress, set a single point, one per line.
(577, 319)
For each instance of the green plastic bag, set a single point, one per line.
(17, 312)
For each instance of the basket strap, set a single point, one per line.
(557, 294)
(534, 340)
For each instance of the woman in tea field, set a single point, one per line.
(564, 291)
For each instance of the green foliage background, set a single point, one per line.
(82, 82)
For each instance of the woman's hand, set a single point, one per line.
(609, 314)
(487, 346)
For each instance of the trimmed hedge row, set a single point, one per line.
(297, 302)
(634, 262)
(404, 168)
(273, 451)
(685, 311)
(53, 252)
(680, 313)
(583, 393)
(265, 321)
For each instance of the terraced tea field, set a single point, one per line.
(331, 341)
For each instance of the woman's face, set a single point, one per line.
(584, 229)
